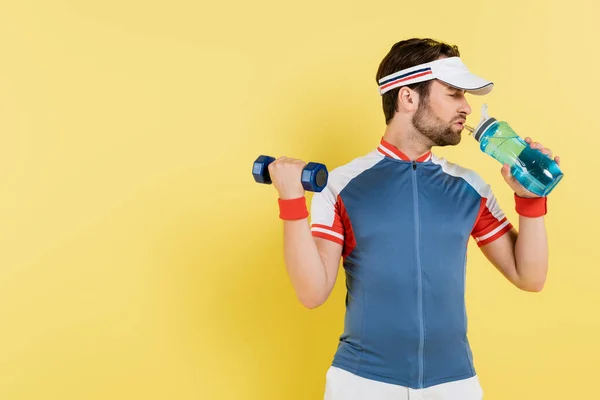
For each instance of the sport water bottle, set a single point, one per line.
(537, 172)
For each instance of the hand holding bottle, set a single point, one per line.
(513, 182)
(527, 166)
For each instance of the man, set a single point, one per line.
(401, 218)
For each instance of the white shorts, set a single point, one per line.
(344, 385)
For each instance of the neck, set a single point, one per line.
(407, 140)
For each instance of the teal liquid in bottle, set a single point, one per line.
(537, 172)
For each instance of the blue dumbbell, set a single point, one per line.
(314, 175)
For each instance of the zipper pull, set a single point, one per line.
(414, 165)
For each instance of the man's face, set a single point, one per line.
(441, 117)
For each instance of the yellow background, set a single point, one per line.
(139, 260)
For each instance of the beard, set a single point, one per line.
(438, 131)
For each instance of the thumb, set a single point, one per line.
(505, 171)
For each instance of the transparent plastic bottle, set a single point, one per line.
(537, 172)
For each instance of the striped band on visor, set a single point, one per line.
(450, 70)
(419, 75)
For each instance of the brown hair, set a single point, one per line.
(406, 54)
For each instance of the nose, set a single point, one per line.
(465, 108)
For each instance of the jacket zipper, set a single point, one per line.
(419, 275)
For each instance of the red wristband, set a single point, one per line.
(292, 209)
(531, 207)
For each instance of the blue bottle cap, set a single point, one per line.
(482, 127)
(484, 123)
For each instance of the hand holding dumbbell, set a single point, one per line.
(291, 177)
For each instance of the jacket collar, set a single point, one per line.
(391, 151)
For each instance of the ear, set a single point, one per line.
(408, 100)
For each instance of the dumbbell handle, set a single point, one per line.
(314, 175)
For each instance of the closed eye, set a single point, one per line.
(456, 93)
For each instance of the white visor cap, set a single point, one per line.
(451, 71)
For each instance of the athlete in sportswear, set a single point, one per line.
(400, 218)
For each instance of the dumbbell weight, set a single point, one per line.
(314, 175)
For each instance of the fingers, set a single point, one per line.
(284, 160)
(538, 146)
(547, 152)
